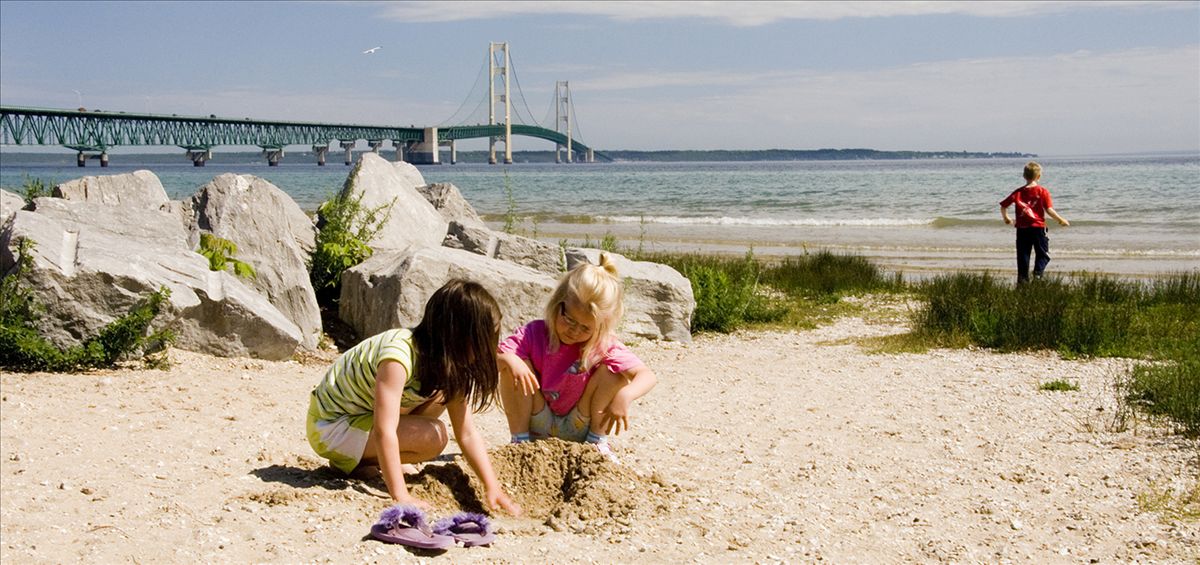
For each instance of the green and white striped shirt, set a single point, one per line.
(348, 387)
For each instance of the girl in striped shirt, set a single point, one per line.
(378, 404)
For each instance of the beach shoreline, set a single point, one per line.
(944, 456)
(917, 252)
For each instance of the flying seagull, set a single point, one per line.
(371, 50)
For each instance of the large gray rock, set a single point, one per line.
(10, 202)
(412, 220)
(658, 300)
(450, 203)
(139, 189)
(525, 251)
(272, 234)
(390, 289)
(92, 263)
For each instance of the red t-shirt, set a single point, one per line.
(1030, 203)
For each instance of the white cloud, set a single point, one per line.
(1135, 100)
(744, 13)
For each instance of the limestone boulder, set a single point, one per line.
(411, 219)
(389, 290)
(139, 189)
(535, 254)
(450, 203)
(658, 299)
(10, 202)
(93, 262)
(272, 234)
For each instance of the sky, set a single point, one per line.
(1052, 78)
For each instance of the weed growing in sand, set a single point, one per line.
(1059, 385)
(1172, 505)
(220, 254)
(345, 228)
(23, 349)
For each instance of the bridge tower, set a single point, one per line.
(562, 117)
(494, 70)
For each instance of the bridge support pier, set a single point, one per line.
(425, 152)
(349, 147)
(82, 157)
(321, 151)
(375, 144)
(591, 155)
(199, 157)
(273, 156)
(398, 145)
(453, 151)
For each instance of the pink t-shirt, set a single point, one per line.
(559, 372)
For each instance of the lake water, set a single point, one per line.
(1130, 215)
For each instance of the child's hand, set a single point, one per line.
(1064, 222)
(1008, 221)
(615, 418)
(498, 499)
(524, 377)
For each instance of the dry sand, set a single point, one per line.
(755, 447)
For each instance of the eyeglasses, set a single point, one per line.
(571, 323)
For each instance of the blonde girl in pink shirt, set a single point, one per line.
(567, 375)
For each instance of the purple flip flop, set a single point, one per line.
(406, 525)
(467, 528)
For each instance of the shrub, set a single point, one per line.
(345, 230)
(23, 349)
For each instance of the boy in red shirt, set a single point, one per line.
(1032, 202)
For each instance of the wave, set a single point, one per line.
(767, 222)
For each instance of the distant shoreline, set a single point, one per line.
(67, 157)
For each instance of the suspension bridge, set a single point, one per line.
(92, 133)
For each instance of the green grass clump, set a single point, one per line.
(1170, 388)
(23, 349)
(1059, 385)
(727, 291)
(33, 188)
(827, 275)
(1089, 315)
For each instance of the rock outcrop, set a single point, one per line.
(390, 289)
(93, 262)
(411, 219)
(139, 189)
(272, 234)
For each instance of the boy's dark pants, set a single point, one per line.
(1032, 239)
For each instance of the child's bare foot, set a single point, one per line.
(409, 469)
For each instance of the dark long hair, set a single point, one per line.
(456, 344)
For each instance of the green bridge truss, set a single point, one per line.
(98, 131)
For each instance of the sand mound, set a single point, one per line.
(567, 485)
